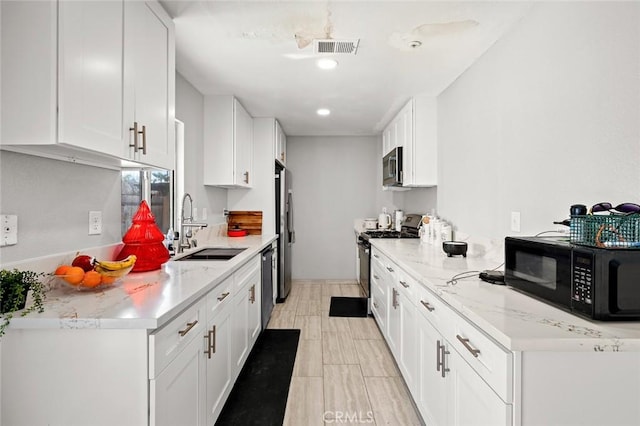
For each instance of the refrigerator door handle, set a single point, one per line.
(292, 232)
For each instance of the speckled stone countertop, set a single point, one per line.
(516, 321)
(144, 300)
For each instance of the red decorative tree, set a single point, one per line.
(145, 240)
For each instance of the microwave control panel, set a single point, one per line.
(582, 278)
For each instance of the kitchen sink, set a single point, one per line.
(215, 253)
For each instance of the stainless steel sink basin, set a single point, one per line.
(215, 253)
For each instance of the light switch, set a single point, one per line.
(9, 235)
(515, 221)
(95, 222)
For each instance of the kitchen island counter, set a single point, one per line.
(516, 321)
(144, 300)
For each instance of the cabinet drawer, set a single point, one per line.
(406, 285)
(490, 360)
(166, 343)
(219, 297)
(241, 275)
(431, 307)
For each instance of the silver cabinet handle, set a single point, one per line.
(389, 269)
(394, 299)
(213, 339)
(209, 339)
(252, 294)
(246, 177)
(376, 277)
(465, 343)
(427, 305)
(404, 284)
(376, 256)
(134, 129)
(375, 305)
(144, 140)
(223, 296)
(190, 325)
(441, 354)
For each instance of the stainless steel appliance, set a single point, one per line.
(267, 285)
(598, 283)
(284, 229)
(392, 168)
(409, 229)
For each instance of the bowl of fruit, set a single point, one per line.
(86, 272)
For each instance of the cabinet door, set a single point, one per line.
(394, 324)
(409, 346)
(243, 128)
(405, 117)
(432, 386)
(90, 64)
(472, 401)
(217, 365)
(149, 74)
(239, 330)
(255, 310)
(176, 395)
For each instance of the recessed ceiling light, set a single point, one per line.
(323, 112)
(327, 63)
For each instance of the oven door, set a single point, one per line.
(364, 251)
(539, 268)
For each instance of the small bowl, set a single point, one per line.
(455, 248)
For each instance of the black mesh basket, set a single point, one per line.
(613, 231)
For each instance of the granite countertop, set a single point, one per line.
(145, 300)
(515, 320)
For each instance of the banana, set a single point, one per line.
(115, 268)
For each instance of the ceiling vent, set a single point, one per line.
(335, 46)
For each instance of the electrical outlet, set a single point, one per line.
(9, 236)
(515, 221)
(204, 213)
(95, 223)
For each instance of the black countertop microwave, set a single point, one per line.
(598, 283)
(392, 168)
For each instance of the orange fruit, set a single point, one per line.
(74, 275)
(91, 279)
(62, 270)
(108, 280)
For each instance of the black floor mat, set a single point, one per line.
(348, 307)
(259, 396)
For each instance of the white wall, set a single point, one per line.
(333, 182)
(190, 110)
(52, 200)
(548, 117)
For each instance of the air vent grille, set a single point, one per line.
(336, 46)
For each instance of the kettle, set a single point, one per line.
(384, 220)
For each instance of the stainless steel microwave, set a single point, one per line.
(601, 284)
(392, 168)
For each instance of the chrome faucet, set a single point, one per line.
(187, 224)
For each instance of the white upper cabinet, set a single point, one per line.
(149, 77)
(414, 129)
(228, 143)
(74, 76)
(280, 144)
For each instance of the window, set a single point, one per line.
(153, 185)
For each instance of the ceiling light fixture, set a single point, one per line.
(327, 63)
(323, 112)
(415, 44)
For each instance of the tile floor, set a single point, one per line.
(344, 372)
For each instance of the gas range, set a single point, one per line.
(410, 227)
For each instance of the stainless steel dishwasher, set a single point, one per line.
(267, 285)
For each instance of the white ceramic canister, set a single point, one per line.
(399, 217)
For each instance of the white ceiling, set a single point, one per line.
(256, 51)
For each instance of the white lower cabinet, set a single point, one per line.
(432, 388)
(218, 364)
(172, 392)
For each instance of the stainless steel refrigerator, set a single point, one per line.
(284, 229)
